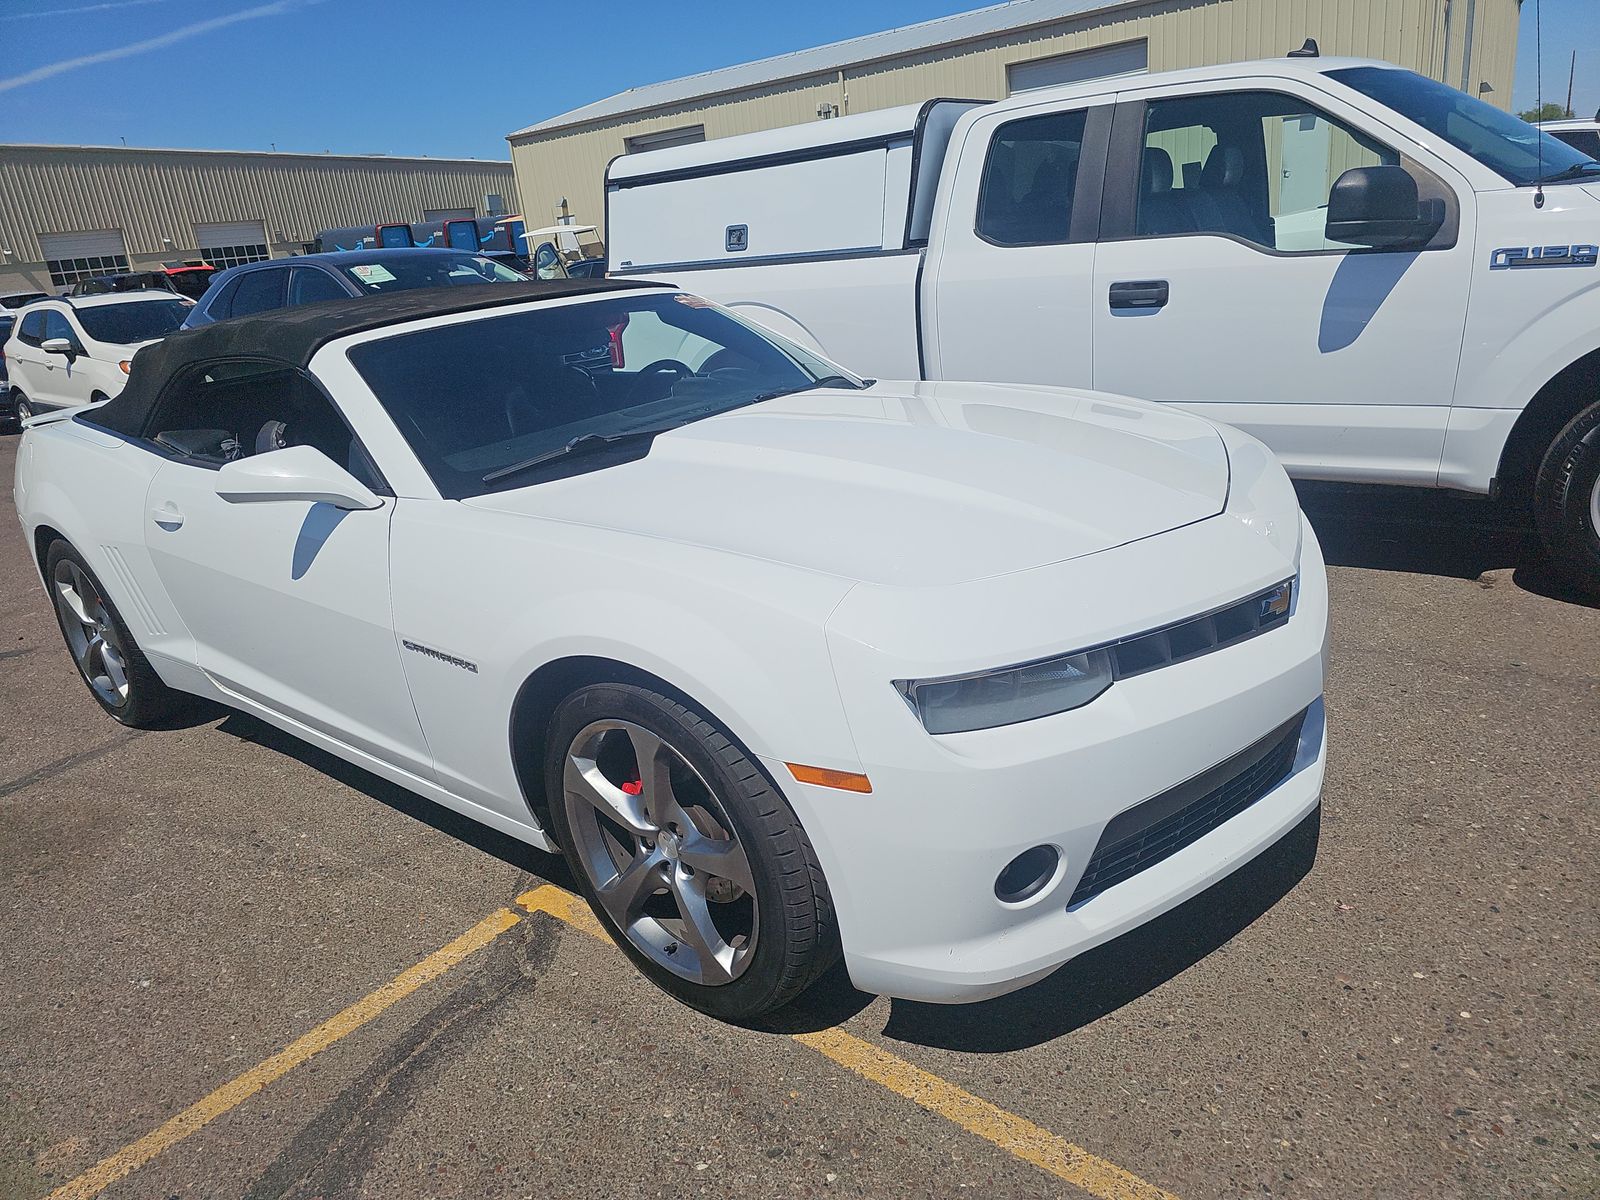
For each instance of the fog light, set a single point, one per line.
(1026, 874)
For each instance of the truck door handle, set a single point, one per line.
(1140, 293)
(167, 516)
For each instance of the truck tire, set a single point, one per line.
(1566, 501)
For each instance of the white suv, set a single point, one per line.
(64, 353)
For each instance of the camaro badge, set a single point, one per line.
(440, 655)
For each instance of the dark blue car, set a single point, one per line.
(285, 282)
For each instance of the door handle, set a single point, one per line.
(1141, 293)
(167, 515)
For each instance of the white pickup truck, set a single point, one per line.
(1381, 277)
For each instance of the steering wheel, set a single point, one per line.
(662, 366)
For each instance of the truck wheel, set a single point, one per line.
(1566, 501)
(692, 861)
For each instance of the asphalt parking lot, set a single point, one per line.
(236, 967)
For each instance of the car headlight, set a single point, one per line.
(1007, 695)
(1260, 496)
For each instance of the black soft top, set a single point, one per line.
(291, 336)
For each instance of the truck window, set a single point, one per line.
(1257, 166)
(1028, 180)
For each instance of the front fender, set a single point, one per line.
(490, 598)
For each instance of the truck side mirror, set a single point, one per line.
(1378, 207)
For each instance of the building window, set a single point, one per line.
(70, 270)
(222, 257)
(686, 135)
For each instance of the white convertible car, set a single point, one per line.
(957, 679)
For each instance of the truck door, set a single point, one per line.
(1009, 281)
(1216, 288)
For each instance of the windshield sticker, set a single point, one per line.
(693, 301)
(372, 273)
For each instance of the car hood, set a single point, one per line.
(913, 484)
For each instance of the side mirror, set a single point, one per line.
(59, 346)
(293, 473)
(1378, 206)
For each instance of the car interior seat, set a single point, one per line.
(1219, 204)
(1160, 211)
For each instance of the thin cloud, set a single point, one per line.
(277, 9)
(67, 12)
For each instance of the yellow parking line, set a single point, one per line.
(234, 1093)
(1013, 1134)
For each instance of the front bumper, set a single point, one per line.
(912, 866)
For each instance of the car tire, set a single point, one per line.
(21, 408)
(109, 661)
(1566, 501)
(719, 944)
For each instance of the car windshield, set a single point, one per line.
(409, 269)
(1506, 145)
(477, 397)
(137, 321)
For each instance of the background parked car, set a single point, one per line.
(64, 352)
(185, 279)
(1581, 134)
(18, 299)
(286, 282)
(7, 320)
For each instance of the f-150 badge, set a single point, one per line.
(1543, 256)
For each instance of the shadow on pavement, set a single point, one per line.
(1104, 979)
(480, 837)
(1430, 533)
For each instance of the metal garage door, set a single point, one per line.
(227, 244)
(70, 257)
(1103, 62)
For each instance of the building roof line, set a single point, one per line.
(395, 158)
(1011, 16)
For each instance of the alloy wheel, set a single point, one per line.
(91, 633)
(660, 853)
(24, 410)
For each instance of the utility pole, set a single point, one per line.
(1571, 71)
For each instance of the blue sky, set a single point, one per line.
(415, 77)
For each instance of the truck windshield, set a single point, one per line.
(498, 401)
(1506, 145)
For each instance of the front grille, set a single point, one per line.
(1226, 626)
(1139, 838)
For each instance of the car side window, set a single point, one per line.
(56, 325)
(1029, 178)
(32, 331)
(222, 411)
(258, 291)
(1257, 166)
(307, 285)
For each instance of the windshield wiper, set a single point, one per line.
(584, 443)
(1575, 171)
(843, 381)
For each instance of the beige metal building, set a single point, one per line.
(71, 212)
(993, 52)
